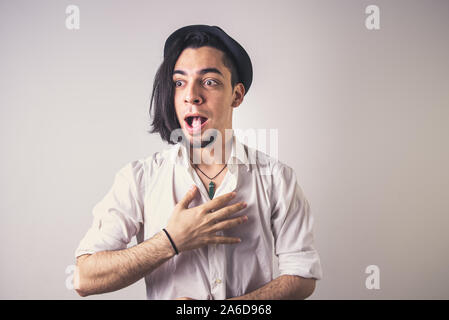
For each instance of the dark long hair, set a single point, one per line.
(162, 98)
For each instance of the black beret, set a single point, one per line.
(240, 56)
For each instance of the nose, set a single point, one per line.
(192, 95)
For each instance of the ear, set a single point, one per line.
(239, 93)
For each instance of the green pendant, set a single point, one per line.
(211, 189)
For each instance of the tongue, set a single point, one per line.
(196, 123)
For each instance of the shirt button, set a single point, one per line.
(218, 281)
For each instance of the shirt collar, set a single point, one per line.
(239, 154)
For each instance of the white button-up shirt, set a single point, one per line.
(145, 192)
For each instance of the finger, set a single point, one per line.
(223, 240)
(218, 202)
(228, 224)
(188, 197)
(228, 211)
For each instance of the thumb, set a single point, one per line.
(188, 197)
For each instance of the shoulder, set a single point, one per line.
(267, 164)
(140, 169)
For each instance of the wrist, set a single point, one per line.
(161, 244)
(177, 238)
(170, 239)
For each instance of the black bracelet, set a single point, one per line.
(171, 241)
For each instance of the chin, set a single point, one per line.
(199, 140)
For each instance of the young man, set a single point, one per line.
(207, 220)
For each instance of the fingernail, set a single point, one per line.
(233, 194)
(192, 187)
(244, 205)
(245, 218)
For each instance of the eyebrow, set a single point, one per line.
(201, 72)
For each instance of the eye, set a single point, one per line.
(177, 83)
(210, 82)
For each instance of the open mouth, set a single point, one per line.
(195, 122)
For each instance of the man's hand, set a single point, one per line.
(196, 227)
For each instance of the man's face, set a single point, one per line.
(203, 95)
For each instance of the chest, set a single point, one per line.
(206, 181)
(170, 184)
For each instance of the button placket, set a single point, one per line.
(216, 268)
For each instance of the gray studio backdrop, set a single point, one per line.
(362, 116)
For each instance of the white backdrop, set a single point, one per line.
(363, 118)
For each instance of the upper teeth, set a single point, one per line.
(191, 118)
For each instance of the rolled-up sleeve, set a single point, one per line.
(292, 227)
(119, 215)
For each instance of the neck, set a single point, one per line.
(209, 157)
